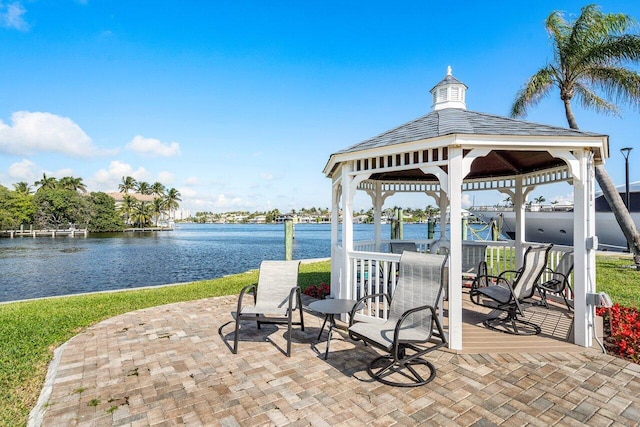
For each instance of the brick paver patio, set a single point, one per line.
(167, 366)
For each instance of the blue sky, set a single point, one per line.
(239, 104)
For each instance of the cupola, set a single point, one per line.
(449, 93)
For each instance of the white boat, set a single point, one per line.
(554, 223)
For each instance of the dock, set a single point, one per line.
(70, 232)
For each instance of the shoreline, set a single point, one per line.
(142, 288)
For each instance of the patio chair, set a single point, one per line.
(408, 333)
(473, 261)
(399, 247)
(512, 292)
(559, 280)
(276, 298)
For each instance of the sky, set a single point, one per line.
(239, 104)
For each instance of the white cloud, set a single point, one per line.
(11, 16)
(191, 181)
(187, 192)
(60, 173)
(266, 176)
(36, 132)
(166, 178)
(153, 147)
(108, 179)
(23, 171)
(466, 201)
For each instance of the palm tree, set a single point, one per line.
(128, 183)
(73, 184)
(46, 183)
(589, 58)
(159, 208)
(539, 200)
(22, 188)
(142, 214)
(171, 200)
(157, 189)
(143, 187)
(126, 208)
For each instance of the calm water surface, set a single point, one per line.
(40, 267)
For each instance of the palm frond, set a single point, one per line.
(615, 50)
(617, 83)
(588, 99)
(536, 88)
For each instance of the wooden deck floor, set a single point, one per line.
(555, 322)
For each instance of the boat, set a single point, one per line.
(554, 223)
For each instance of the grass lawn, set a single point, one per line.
(30, 331)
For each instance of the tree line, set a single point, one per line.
(53, 203)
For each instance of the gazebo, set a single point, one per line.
(446, 152)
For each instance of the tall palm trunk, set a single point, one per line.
(620, 211)
(613, 198)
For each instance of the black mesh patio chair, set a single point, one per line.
(399, 247)
(558, 282)
(412, 329)
(276, 298)
(473, 261)
(512, 292)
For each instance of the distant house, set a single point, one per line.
(119, 197)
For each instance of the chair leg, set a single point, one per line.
(289, 334)
(301, 311)
(403, 368)
(500, 324)
(235, 337)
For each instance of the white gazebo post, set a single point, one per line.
(584, 246)
(377, 201)
(455, 175)
(519, 199)
(336, 257)
(344, 290)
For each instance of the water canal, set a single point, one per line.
(43, 266)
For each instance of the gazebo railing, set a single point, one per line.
(376, 272)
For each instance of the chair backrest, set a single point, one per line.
(565, 265)
(399, 247)
(535, 261)
(419, 283)
(472, 256)
(275, 280)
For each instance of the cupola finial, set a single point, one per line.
(448, 70)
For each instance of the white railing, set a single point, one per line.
(385, 247)
(376, 272)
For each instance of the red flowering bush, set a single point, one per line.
(624, 331)
(318, 291)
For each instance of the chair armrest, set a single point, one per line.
(245, 290)
(361, 300)
(403, 317)
(480, 279)
(557, 284)
(293, 294)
